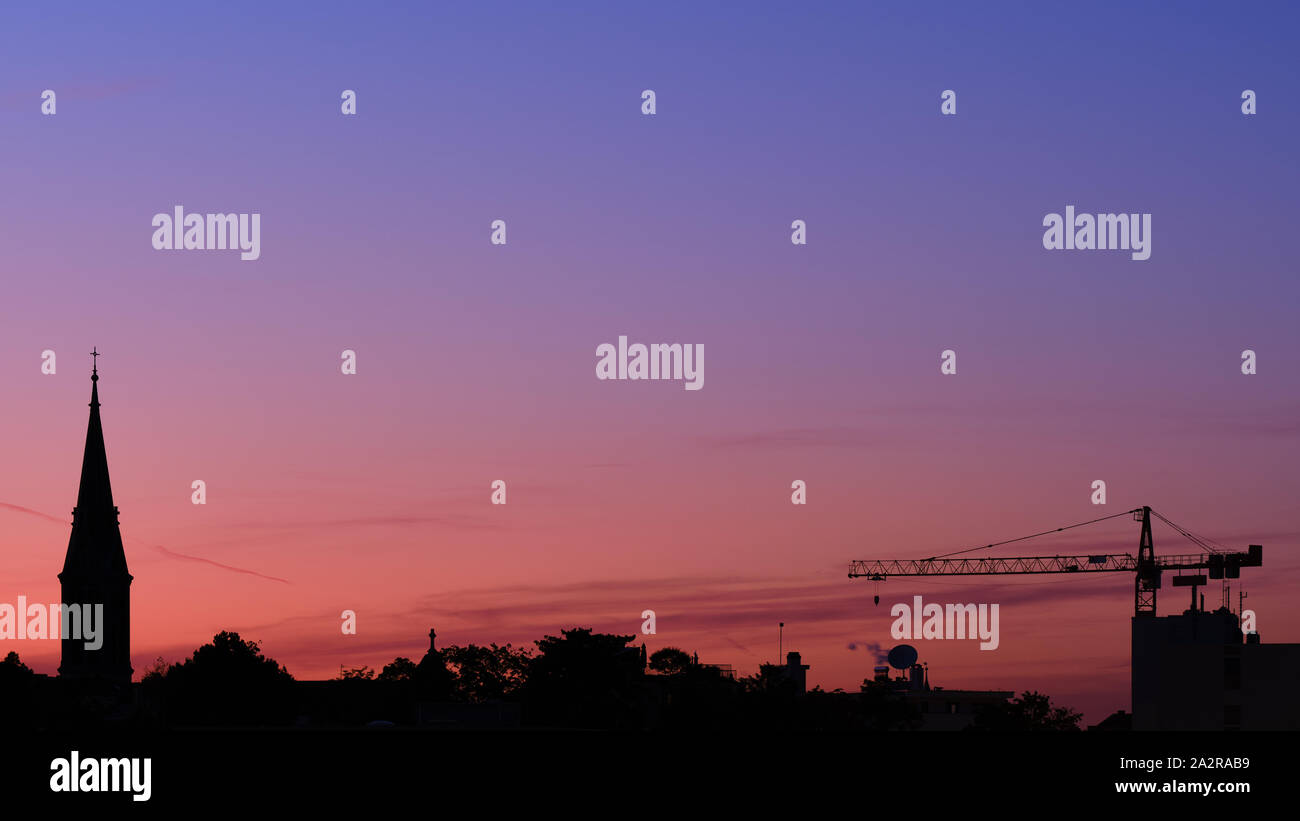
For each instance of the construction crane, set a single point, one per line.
(1221, 563)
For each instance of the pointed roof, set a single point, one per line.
(95, 546)
(96, 490)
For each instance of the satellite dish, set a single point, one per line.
(902, 657)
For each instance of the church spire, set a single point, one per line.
(95, 496)
(94, 570)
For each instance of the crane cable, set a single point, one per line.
(1044, 533)
(1208, 545)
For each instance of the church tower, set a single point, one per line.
(94, 571)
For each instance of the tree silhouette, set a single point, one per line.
(228, 682)
(579, 679)
(363, 673)
(695, 697)
(16, 684)
(771, 680)
(670, 661)
(13, 666)
(399, 669)
(156, 671)
(584, 679)
(487, 673)
(1033, 711)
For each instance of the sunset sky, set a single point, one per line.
(477, 362)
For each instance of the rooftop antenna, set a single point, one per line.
(780, 642)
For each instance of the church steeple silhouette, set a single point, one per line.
(94, 571)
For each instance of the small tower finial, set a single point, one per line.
(94, 369)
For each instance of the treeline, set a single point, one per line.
(577, 680)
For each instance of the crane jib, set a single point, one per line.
(1215, 562)
(1146, 566)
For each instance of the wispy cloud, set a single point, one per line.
(170, 553)
(173, 554)
(713, 606)
(742, 648)
(452, 522)
(30, 512)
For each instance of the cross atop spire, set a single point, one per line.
(94, 369)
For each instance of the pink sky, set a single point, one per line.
(476, 362)
(698, 528)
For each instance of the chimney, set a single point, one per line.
(796, 672)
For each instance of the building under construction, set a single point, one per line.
(1196, 671)
(1192, 671)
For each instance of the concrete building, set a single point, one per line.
(1196, 671)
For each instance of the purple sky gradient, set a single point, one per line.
(477, 362)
